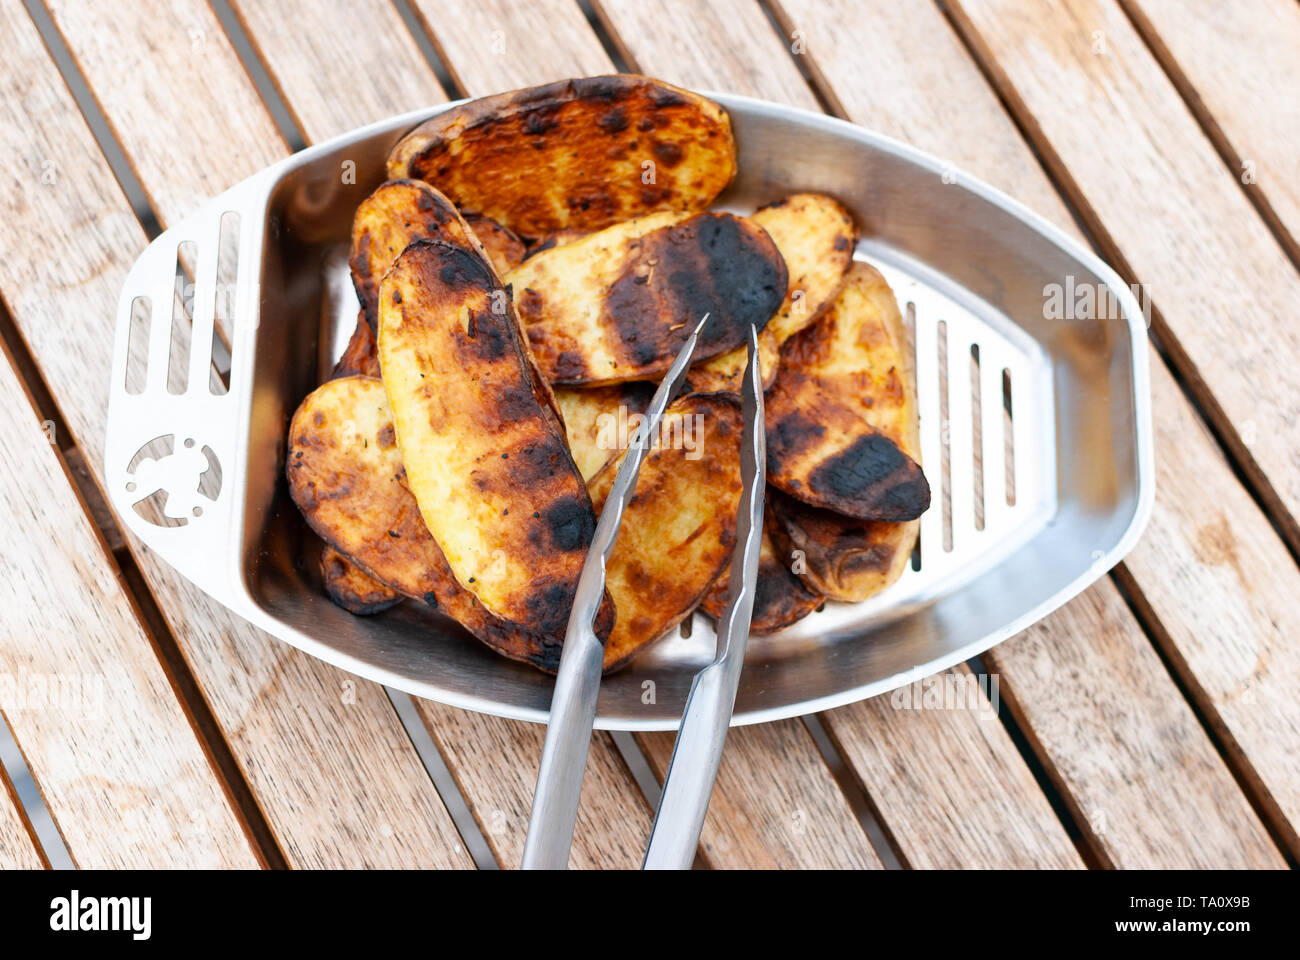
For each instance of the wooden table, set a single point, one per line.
(1151, 722)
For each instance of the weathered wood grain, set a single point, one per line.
(941, 824)
(1224, 289)
(931, 76)
(189, 121)
(495, 45)
(1236, 65)
(794, 815)
(1223, 588)
(327, 760)
(1133, 762)
(494, 761)
(111, 749)
(357, 63)
(18, 848)
(697, 29)
(925, 768)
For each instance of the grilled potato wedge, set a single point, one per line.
(345, 473)
(780, 597)
(582, 153)
(618, 305)
(843, 558)
(599, 421)
(386, 223)
(816, 237)
(504, 249)
(351, 587)
(347, 584)
(679, 530)
(484, 450)
(840, 409)
(725, 373)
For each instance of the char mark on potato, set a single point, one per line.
(710, 263)
(879, 479)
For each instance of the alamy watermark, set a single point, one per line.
(677, 431)
(1077, 299)
(949, 691)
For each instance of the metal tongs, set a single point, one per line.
(698, 750)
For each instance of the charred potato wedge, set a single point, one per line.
(780, 597)
(351, 587)
(816, 237)
(504, 249)
(841, 407)
(346, 476)
(484, 451)
(619, 304)
(599, 422)
(679, 530)
(347, 584)
(387, 222)
(580, 154)
(843, 558)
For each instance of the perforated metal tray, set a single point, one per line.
(1035, 426)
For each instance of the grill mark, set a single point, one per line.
(872, 479)
(569, 523)
(710, 263)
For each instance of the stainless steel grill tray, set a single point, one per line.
(1036, 433)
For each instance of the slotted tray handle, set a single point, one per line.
(174, 449)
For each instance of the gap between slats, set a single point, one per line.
(17, 783)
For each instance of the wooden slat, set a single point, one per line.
(786, 822)
(495, 45)
(163, 104)
(939, 102)
(766, 71)
(356, 64)
(927, 770)
(105, 739)
(1224, 289)
(18, 846)
(1221, 584)
(1132, 760)
(326, 757)
(936, 824)
(758, 820)
(1236, 65)
(494, 761)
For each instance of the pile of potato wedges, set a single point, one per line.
(526, 275)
